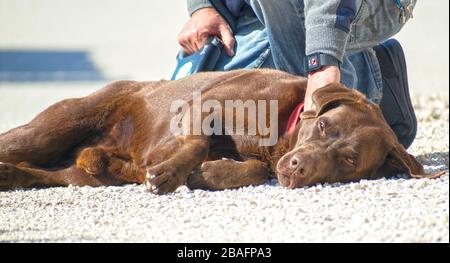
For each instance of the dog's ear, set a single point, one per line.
(398, 161)
(335, 94)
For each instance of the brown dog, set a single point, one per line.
(121, 134)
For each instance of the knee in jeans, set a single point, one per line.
(268, 3)
(406, 133)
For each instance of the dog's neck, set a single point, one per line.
(294, 119)
(287, 140)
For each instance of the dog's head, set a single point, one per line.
(345, 139)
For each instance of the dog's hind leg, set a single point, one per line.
(55, 132)
(48, 137)
(12, 176)
(115, 172)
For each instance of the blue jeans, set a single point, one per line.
(271, 34)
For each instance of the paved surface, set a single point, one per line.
(136, 39)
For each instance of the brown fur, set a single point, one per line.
(121, 135)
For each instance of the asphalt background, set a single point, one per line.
(136, 39)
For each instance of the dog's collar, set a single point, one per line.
(294, 118)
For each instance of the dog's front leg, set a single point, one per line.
(169, 175)
(228, 174)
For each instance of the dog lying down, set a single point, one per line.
(126, 133)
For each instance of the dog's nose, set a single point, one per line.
(297, 165)
(295, 170)
(294, 163)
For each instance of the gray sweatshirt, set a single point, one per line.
(327, 23)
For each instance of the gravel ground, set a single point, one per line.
(386, 210)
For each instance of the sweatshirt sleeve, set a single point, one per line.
(194, 5)
(327, 24)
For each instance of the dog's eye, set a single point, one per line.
(322, 127)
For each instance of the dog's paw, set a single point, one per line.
(163, 179)
(149, 177)
(6, 176)
(11, 177)
(213, 175)
(197, 179)
(92, 160)
(227, 174)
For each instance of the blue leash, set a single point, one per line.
(406, 8)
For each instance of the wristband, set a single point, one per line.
(316, 61)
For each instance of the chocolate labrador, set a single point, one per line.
(122, 134)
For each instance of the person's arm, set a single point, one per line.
(327, 25)
(194, 5)
(204, 22)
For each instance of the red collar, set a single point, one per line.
(293, 119)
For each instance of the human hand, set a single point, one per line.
(204, 23)
(318, 79)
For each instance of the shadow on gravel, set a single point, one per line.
(436, 158)
(434, 162)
